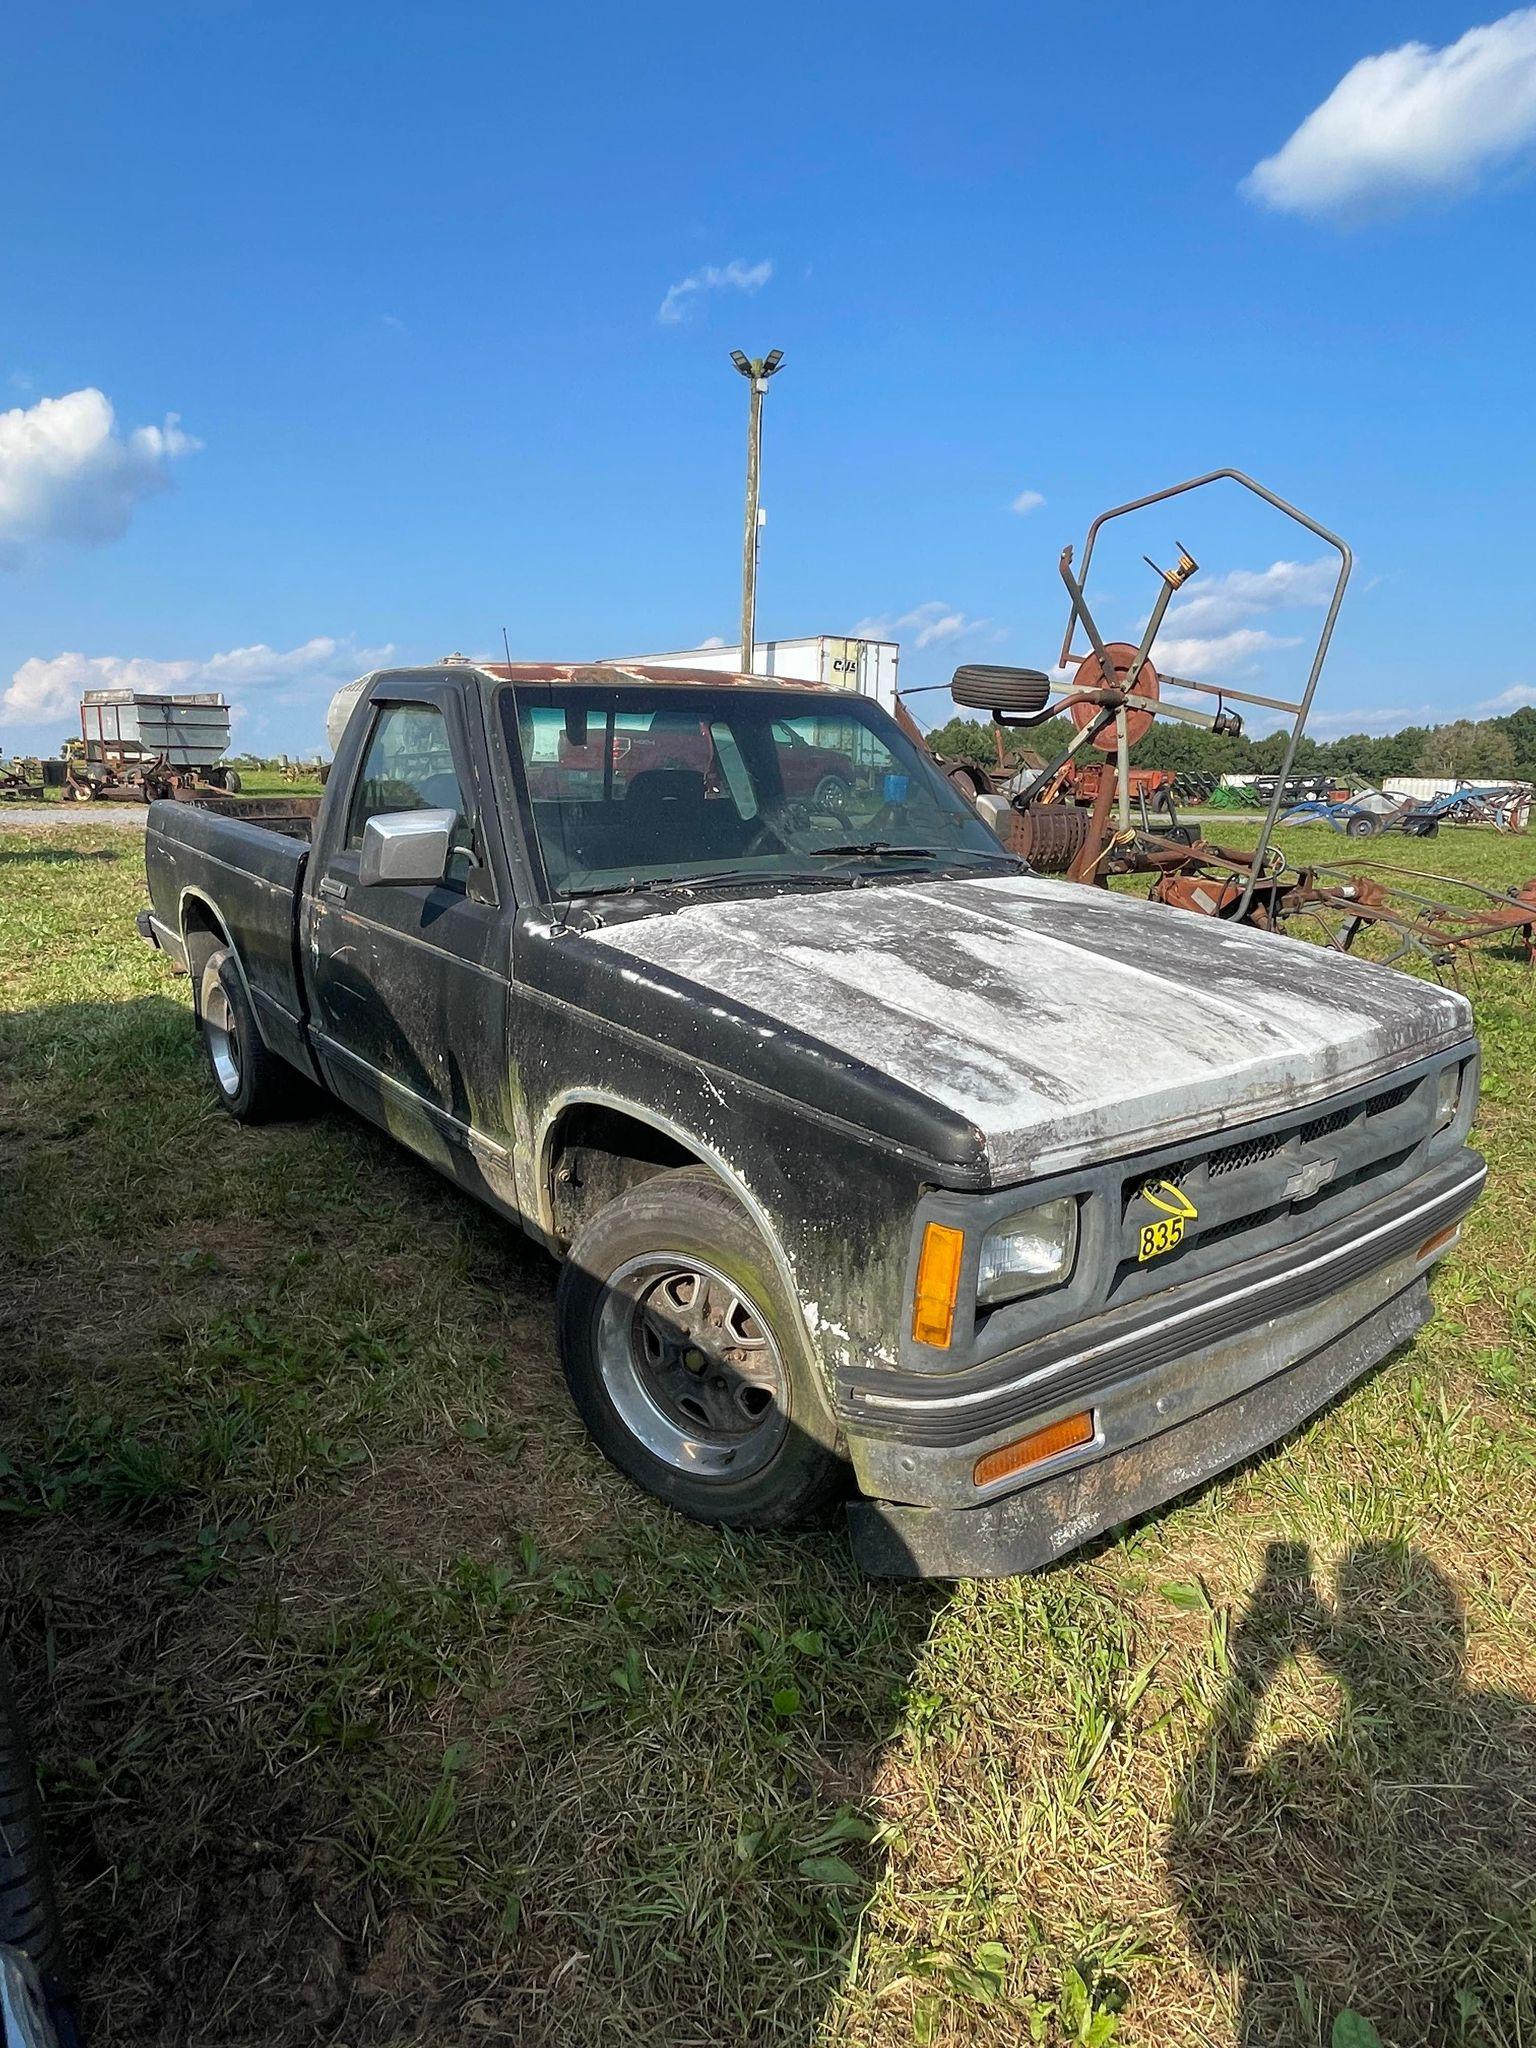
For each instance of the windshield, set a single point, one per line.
(646, 786)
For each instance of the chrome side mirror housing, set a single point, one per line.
(406, 846)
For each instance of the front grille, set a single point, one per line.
(1251, 1186)
(1393, 1099)
(1324, 1126)
(1233, 1158)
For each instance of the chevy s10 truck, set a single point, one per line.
(883, 1171)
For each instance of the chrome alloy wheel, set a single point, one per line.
(223, 1039)
(689, 1362)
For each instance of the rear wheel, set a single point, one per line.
(684, 1355)
(832, 793)
(253, 1083)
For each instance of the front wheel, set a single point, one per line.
(832, 793)
(1361, 826)
(685, 1358)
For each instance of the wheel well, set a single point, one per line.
(596, 1154)
(201, 933)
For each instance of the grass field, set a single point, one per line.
(373, 1708)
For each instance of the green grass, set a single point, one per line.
(372, 1707)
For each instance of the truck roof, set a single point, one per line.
(610, 673)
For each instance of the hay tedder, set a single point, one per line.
(1085, 815)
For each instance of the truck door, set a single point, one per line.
(409, 981)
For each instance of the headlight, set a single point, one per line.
(1032, 1250)
(1448, 1094)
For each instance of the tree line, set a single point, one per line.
(1477, 750)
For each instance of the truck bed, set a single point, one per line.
(249, 877)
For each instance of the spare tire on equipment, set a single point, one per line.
(1017, 692)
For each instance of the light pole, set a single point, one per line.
(757, 370)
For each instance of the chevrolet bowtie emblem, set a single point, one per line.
(1307, 1179)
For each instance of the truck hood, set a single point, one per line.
(1063, 1023)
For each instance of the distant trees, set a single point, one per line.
(1465, 747)
(1482, 750)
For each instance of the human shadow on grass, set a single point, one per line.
(1376, 1881)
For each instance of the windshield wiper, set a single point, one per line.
(882, 849)
(666, 885)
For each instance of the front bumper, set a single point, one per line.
(1026, 1530)
(1220, 1346)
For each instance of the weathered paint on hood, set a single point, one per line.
(1063, 1022)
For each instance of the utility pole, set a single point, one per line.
(757, 370)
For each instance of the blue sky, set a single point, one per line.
(398, 273)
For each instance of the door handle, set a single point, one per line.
(329, 886)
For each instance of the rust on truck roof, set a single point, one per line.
(611, 672)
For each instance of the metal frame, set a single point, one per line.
(1299, 710)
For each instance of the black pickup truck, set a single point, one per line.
(883, 1171)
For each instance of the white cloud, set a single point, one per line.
(713, 640)
(714, 277)
(66, 473)
(929, 625)
(1409, 123)
(1209, 634)
(1216, 657)
(42, 689)
(1027, 501)
(1517, 698)
(1243, 594)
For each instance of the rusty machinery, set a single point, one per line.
(1074, 815)
(108, 766)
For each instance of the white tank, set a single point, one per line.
(343, 704)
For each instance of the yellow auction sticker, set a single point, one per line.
(1154, 1239)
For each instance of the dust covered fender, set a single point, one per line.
(828, 1156)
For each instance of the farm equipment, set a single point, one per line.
(1074, 816)
(1366, 813)
(27, 779)
(135, 748)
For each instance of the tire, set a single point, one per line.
(252, 1082)
(1361, 826)
(29, 1918)
(833, 793)
(706, 1442)
(981, 687)
(230, 780)
(971, 782)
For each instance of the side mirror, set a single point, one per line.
(1019, 692)
(406, 846)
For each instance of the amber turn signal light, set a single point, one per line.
(1439, 1241)
(938, 1284)
(1065, 1435)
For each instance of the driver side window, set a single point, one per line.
(409, 767)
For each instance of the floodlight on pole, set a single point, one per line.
(757, 371)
